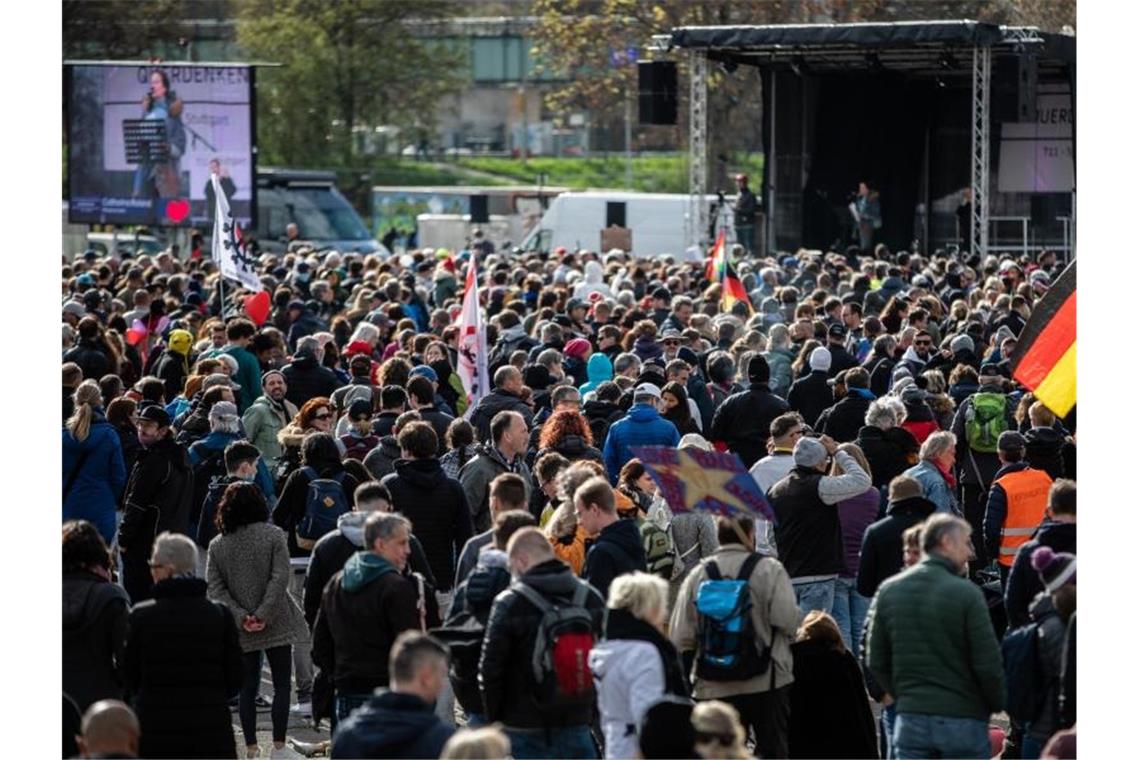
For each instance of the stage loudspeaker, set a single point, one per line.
(657, 92)
(1027, 88)
(479, 209)
(615, 213)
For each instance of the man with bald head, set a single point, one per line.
(506, 397)
(109, 729)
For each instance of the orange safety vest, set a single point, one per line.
(1026, 496)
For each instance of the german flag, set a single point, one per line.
(732, 289)
(1045, 360)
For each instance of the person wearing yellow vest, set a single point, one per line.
(1016, 503)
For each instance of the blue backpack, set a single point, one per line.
(324, 504)
(1024, 679)
(727, 648)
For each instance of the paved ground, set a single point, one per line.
(300, 727)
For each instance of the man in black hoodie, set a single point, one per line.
(1059, 533)
(305, 378)
(157, 498)
(618, 549)
(882, 552)
(744, 420)
(506, 680)
(400, 721)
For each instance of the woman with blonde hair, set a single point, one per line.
(855, 514)
(487, 743)
(93, 469)
(830, 713)
(566, 535)
(719, 732)
(636, 664)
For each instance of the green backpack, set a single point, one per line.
(659, 555)
(985, 421)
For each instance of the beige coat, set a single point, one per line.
(775, 618)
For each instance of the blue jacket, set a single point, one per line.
(392, 724)
(97, 488)
(643, 426)
(934, 487)
(216, 441)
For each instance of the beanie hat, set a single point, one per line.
(180, 341)
(1056, 569)
(758, 370)
(904, 487)
(271, 373)
(809, 452)
(425, 371)
(577, 348)
(820, 359)
(962, 343)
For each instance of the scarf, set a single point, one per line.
(621, 624)
(947, 476)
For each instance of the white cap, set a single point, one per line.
(647, 389)
(820, 359)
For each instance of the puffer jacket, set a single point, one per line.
(438, 510)
(633, 668)
(94, 638)
(98, 482)
(508, 690)
(931, 644)
(643, 426)
(392, 724)
(934, 487)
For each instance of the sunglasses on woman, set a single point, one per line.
(322, 416)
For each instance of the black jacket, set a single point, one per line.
(439, 422)
(830, 715)
(1043, 447)
(881, 555)
(392, 724)
(494, 402)
(507, 685)
(384, 423)
(355, 630)
(435, 504)
(889, 452)
(305, 379)
(616, 551)
(91, 358)
(742, 422)
(157, 497)
(1024, 583)
(841, 359)
(183, 663)
(171, 369)
(290, 507)
(881, 373)
(94, 637)
(328, 558)
(600, 415)
(810, 395)
(843, 420)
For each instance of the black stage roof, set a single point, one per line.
(934, 47)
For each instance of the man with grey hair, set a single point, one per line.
(506, 397)
(365, 607)
(932, 648)
(805, 501)
(305, 376)
(182, 661)
(627, 365)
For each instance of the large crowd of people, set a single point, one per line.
(311, 493)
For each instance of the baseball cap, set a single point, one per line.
(155, 413)
(647, 389)
(837, 331)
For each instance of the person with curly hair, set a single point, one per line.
(247, 570)
(569, 434)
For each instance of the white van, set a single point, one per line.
(657, 221)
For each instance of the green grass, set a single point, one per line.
(659, 173)
(417, 173)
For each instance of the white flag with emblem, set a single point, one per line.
(228, 247)
(472, 343)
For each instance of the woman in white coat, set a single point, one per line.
(636, 664)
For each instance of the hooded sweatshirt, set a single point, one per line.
(362, 568)
(592, 282)
(616, 551)
(598, 370)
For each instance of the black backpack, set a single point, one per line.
(205, 473)
(559, 662)
(206, 531)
